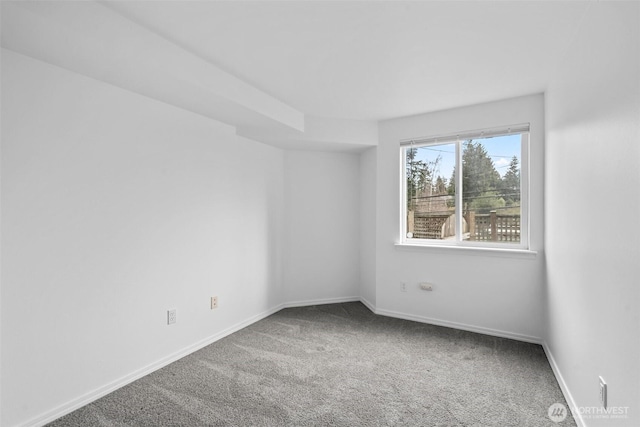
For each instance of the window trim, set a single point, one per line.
(523, 129)
(468, 250)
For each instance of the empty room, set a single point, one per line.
(310, 213)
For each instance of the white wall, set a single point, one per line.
(500, 295)
(116, 208)
(368, 185)
(592, 210)
(322, 211)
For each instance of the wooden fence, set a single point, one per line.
(429, 226)
(493, 227)
(480, 227)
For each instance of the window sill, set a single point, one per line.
(469, 250)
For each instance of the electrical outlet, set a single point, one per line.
(171, 316)
(403, 287)
(603, 393)
(426, 286)
(214, 302)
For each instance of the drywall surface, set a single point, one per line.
(368, 162)
(322, 211)
(479, 291)
(116, 208)
(592, 207)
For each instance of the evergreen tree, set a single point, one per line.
(440, 186)
(480, 181)
(451, 188)
(420, 177)
(511, 182)
(416, 177)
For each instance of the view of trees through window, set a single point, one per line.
(490, 194)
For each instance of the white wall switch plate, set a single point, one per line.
(214, 302)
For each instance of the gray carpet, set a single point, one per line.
(340, 365)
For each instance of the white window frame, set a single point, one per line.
(458, 139)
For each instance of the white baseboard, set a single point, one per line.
(563, 386)
(368, 305)
(94, 395)
(462, 326)
(323, 301)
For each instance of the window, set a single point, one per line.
(468, 189)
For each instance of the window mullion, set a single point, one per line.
(458, 195)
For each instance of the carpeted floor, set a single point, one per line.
(340, 365)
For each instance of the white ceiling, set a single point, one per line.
(303, 74)
(372, 60)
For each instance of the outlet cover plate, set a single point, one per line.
(426, 286)
(603, 392)
(171, 316)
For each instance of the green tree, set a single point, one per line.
(511, 183)
(416, 177)
(480, 181)
(420, 176)
(451, 188)
(487, 201)
(440, 187)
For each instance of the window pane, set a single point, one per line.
(431, 191)
(491, 189)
